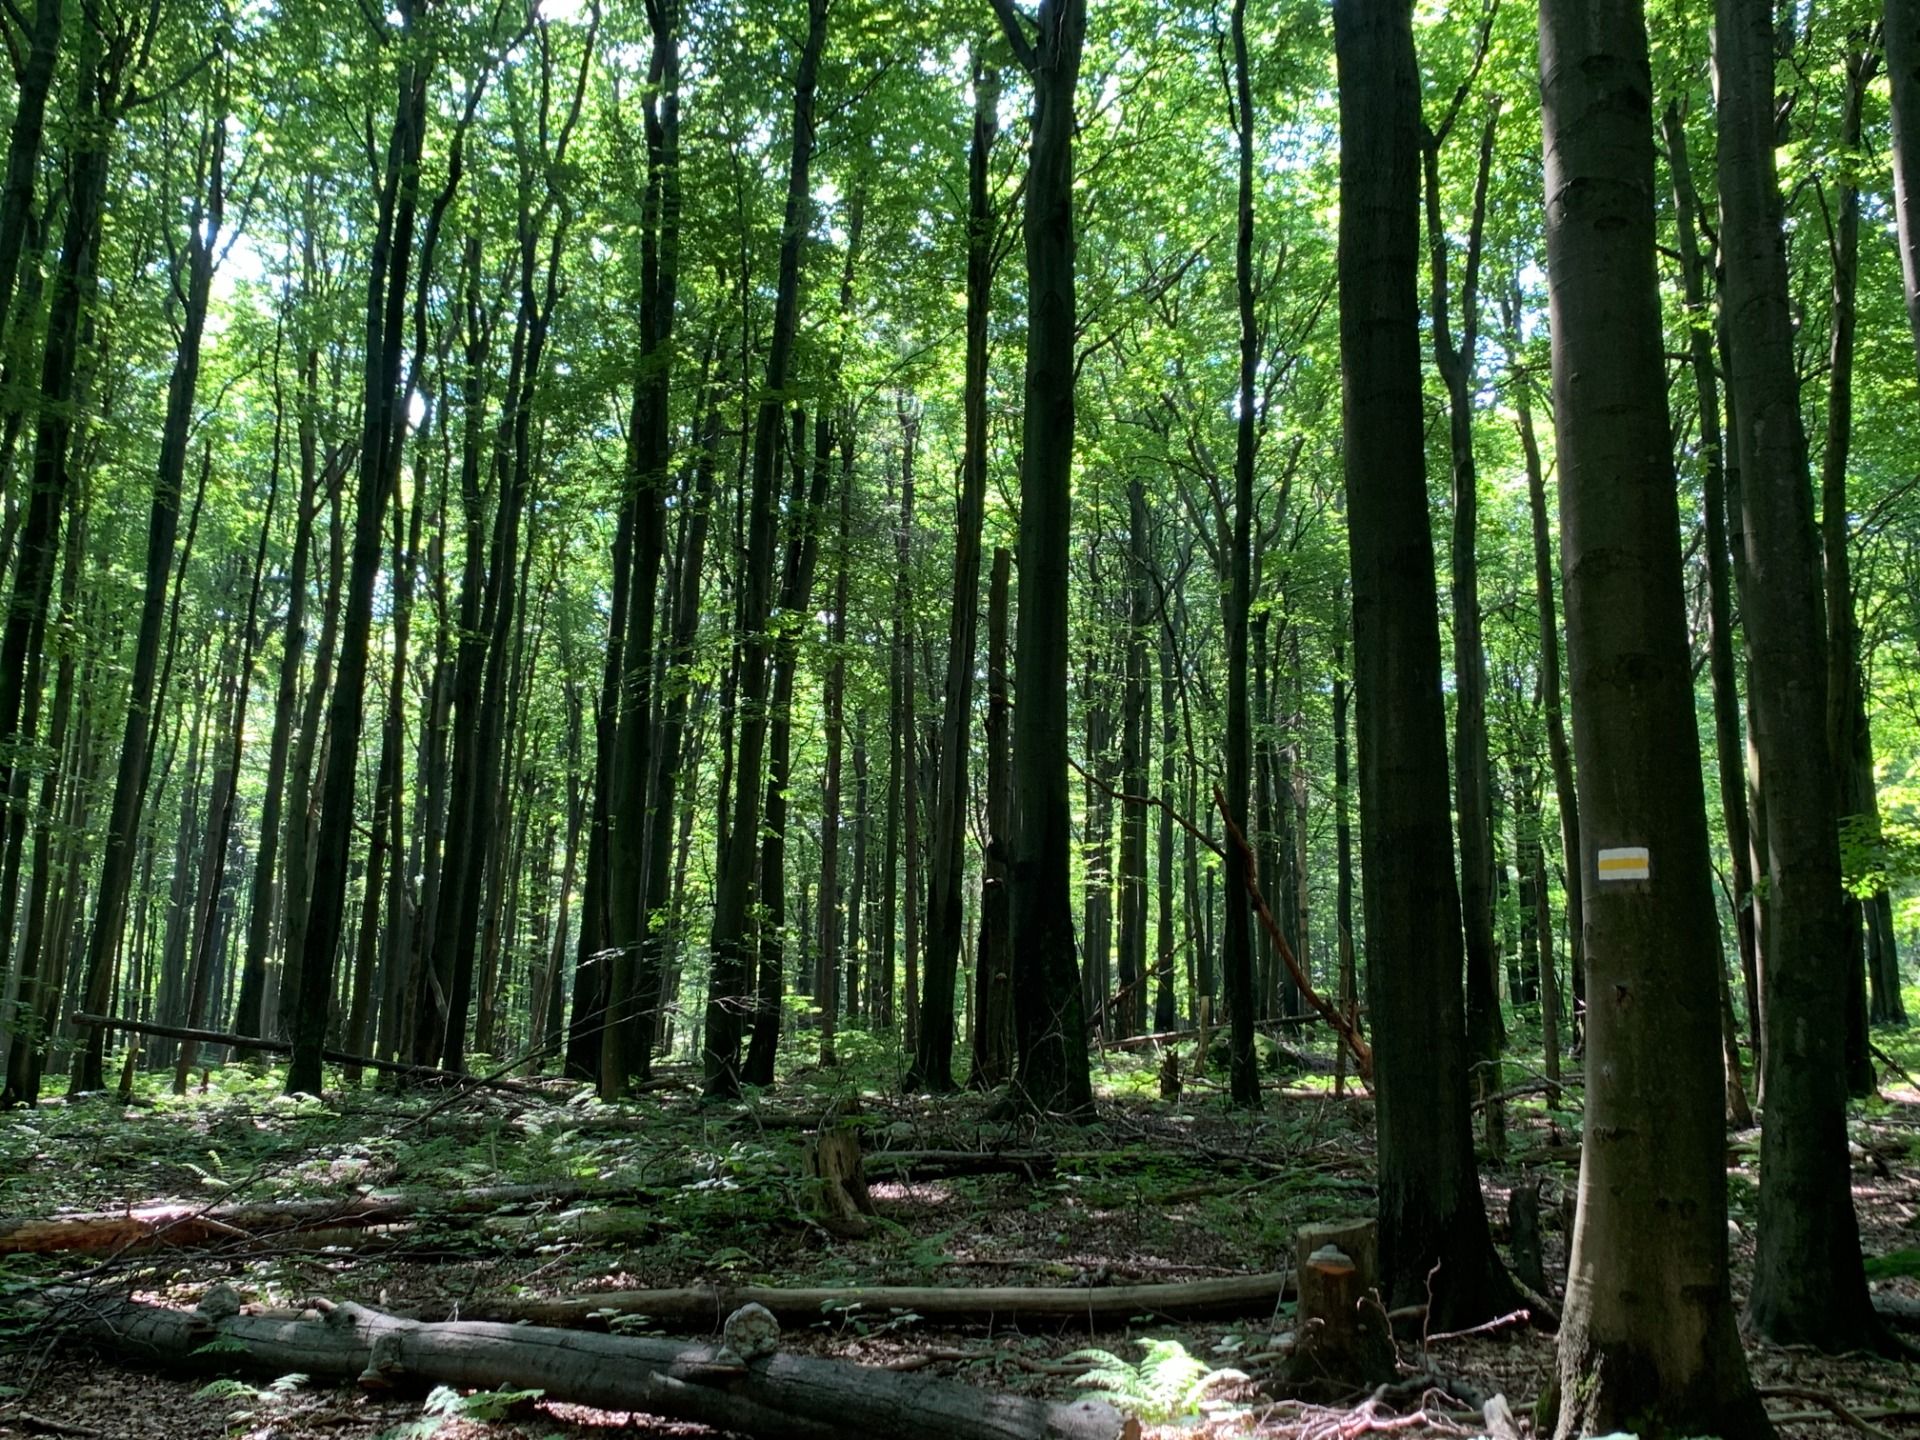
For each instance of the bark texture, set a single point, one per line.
(1431, 1212)
(1648, 1336)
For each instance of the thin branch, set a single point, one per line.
(1342, 1024)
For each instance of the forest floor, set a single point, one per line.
(1152, 1191)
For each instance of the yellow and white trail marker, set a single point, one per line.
(1629, 862)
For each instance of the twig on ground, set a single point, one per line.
(1820, 1397)
(53, 1427)
(1499, 1322)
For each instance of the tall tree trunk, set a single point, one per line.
(728, 1000)
(1809, 1286)
(1849, 742)
(1236, 950)
(308, 752)
(910, 798)
(1343, 839)
(29, 1028)
(933, 1058)
(993, 1053)
(586, 1032)
(1136, 745)
(825, 981)
(796, 589)
(627, 1046)
(465, 697)
(1473, 778)
(672, 749)
(1431, 1212)
(1729, 742)
(1902, 32)
(216, 891)
(22, 644)
(382, 426)
(1165, 1005)
(250, 1012)
(1049, 1017)
(24, 139)
(1649, 1334)
(796, 599)
(162, 528)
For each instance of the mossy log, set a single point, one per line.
(773, 1395)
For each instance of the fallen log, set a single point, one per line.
(183, 1225)
(282, 1047)
(928, 1163)
(758, 1390)
(707, 1305)
(1177, 1037)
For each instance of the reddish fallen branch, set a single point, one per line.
(1175, 1037)
(777, 1396)
(1343, 1025)
(281, 1047)
(707, 1305)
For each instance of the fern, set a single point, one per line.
(446, 1404)
(1167, 1383)
(221, 1345)
(227, 1390)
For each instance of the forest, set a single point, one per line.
(994, 720)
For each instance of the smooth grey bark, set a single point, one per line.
(1648, 1337)
(1809, 1286)
(1902, 39)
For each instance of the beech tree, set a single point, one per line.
(1653, 1194)
(1048, 1013)
(1809, 1286)
(1431, 1213)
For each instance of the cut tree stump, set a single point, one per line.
(1342, 1342)
(831, 1164)
(707, 1305)
(769, 1394)
(1523, 1235)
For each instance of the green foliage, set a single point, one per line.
(253, 1402)
(1893, 1265)
(444, 1405)
(1166, 1384)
